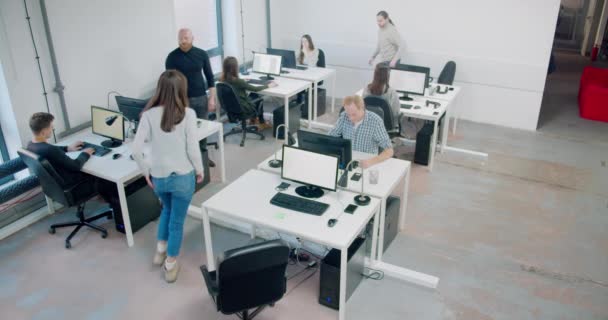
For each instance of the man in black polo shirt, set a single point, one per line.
(193, 62)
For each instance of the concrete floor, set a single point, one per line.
(519, 236)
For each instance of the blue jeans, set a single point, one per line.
(175, 192)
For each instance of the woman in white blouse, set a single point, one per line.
(308, 55)
(173, 164)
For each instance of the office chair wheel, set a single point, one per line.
(104, 235)
(51, 230)
(262, 137)
(242, 143)
(68, 245)
(271, 305)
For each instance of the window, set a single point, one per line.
(203, 17)
(4, 157)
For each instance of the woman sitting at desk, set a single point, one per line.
(230, 75)
(169, 127)
(380, 88)
(308, 54)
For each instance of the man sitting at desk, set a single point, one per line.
(365, 129)
(41, 124)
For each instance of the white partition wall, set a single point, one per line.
(501, 47)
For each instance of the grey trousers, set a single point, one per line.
(199, 104)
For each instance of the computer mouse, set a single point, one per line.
(116, 156)
(331, 222)
(416, 107)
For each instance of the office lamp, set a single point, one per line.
(362, 199)
(276, 163)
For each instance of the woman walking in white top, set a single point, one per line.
(174, 162)
(390, 44)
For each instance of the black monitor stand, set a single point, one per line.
(405, 97)
(112, 143)
(309, 191)
(267, 77)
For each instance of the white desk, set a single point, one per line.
(314, 75)
(393, 173)
(286, 88)
(123, 170)
(449, 96)
(254, 190)
(419, 110)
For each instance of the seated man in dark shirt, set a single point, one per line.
(41, 124)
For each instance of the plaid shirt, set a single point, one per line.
(369, 135)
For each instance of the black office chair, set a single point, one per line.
(321, 60)
(249, 277)
(447, 73)
(375, 103)
(230, 103)
(70, 195)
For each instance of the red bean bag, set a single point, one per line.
(593, 94)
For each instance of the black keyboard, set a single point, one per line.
(258, 81)
(301, 68)
(99, 150)
(406, 106)
(290, 202)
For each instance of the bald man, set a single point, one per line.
(193, 62)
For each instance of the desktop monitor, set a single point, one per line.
(288, 57)
(110, 124)
(131, 108)
(409, 79)
(326, 144)
(266, 63)
(315, 170)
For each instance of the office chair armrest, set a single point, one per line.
(210, 281)
(71, 188)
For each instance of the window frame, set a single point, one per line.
(219, 50)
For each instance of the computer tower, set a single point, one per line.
(391, 224)
(321, 103)
(278, 118)
(144, 206)
(423, 144)
(329, 288)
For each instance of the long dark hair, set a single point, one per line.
(230, 69)
(171, 93)
(310, 44)
(380, 83)
(384, 15)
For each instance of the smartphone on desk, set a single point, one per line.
(350, 208)
(356, 177)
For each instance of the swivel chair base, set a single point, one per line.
(244, 131)
(83, 222)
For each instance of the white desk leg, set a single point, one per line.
(375, 236)
(333, 92)
(342, 299)
(455, 118)
(402, 210)
(312, 105)
(286, 128)
(220, 144)
(122, 197)
(445, 127)
(50, 205)
(433, 145)
(208, 243)
(381, 228)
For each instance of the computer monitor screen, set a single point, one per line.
(409, 79)
(313, 169)
(109, 124)
(288, 57)
(131, 108)
(326, 144)
(266, 63)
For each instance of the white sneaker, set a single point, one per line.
(159, 258)
(171, 275)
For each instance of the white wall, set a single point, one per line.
(501, 47)
(254, 21)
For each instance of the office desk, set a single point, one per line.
(426, 113)
(314, 75)
(393, 173)
(449, 96)
(286, 88)
(123, 170)
(254, 190)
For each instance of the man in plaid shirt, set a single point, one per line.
(365, 129)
